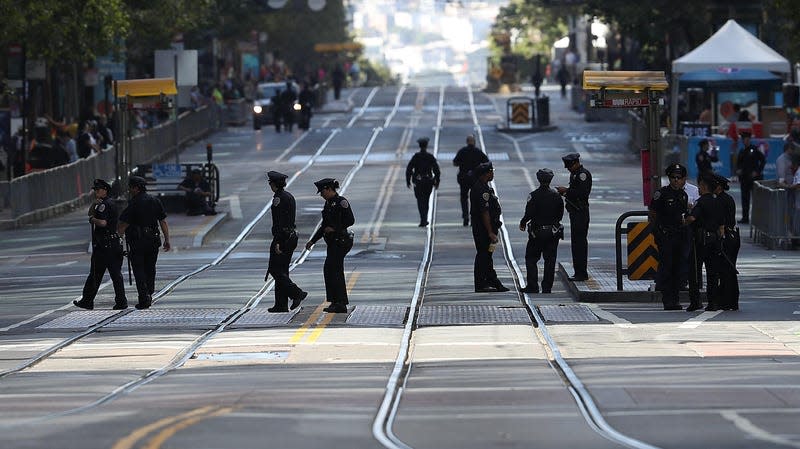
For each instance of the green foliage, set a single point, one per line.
(536, 26)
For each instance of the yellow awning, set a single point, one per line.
(152, 87)
(337, 46)
(624, 80)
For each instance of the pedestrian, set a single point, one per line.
(708, 218)
(576, 196)
(337, 216)
(750, 164)
(306, 100)
(423, 171)
(198, 200)
(140, 223)
(467, 159)
(107, 250)
(276, 108)
(667, 209)
(337, 78)
(284, 241)
(288, 100)
(542, 220)
(731, 242)
(703, 159)
(563, 77)
(485, 210)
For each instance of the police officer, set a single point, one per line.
(466, 160)
(708, 217)
(750, 164)
(284, 241)
(424, 171)
(731, 242)
(140, 222)
(485, 210)
(577, 199)
(703, 159)
(542, 220)
(306, 100)
(337, 216)
(106, 249)
(288, 98)
(668, 208)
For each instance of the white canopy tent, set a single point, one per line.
(731, 46)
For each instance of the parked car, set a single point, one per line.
(262, 105)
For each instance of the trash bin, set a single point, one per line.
(543, 111)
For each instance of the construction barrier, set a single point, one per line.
(642, 250)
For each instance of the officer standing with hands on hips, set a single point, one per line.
(106, 249)
(485, 210)
(467, 159)
(750, 164)
(337, 216)
(542, 220)
(423, 171)
(284, 241)
(577, 199)
(667, 210)
(140, 222)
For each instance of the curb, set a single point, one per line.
(200, 238)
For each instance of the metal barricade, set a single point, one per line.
(236, 112)
(771, 215)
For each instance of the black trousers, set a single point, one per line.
(279, 269)
(465, 188)
(536, 248)
(305, 117)
(333, 271)
(104, 259)
(483, 271)
(747, 187)
(422, 191)
(672, 251)
(729, 280)
(144, 255)
(288, 119)
(714, 266)
(579, 241)
(196, 204)
(694, 270)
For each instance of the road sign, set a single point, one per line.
(167, 171)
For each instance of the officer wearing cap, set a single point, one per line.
(708, 218)
(423, 171)
(542, 220)
(284, 241)
(485, 210)
(703, 159)
(466, 160)
(731, 242)
(140, 222)
(667, 210)
(577, 204)
(750, 164)
(198, 194)
(337, 216)
(106, 249)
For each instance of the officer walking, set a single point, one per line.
(284, 241)
(423, 170)
(577, 199)
(485, 210)
(106, 249)
(708, 217)
(669, 206)
(542, 220)
(337, 216)
(729, 280)
(466, 160)
(140, 222)
(750, 164)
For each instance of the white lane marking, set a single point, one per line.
(66, 264)
(363, 108)
(796, 312)
(694, 322)
(235, 206)
(746, 426)
(608, 316)
(291, 147)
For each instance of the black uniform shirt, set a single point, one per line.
(708, 213)
(423, 165)
(306, 97)
(669, 205)
(703, 161)
(143, 211)
(104, 210)
(544, 208)
(482, 198)
(189, 183)
(337, 214)
(729, 209)
(580, 186)
(467, 159)
(749, 160)
(283, 214)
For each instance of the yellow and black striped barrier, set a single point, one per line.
(520, 113)
(642, 251)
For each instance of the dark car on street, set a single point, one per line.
(262, 104)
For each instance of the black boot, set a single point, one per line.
(296, 301)
(336, 308)
(84, 304)
(120, 304)
(694, 305)
(145, 302)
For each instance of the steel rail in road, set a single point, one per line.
(186, 353)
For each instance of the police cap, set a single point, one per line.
(423, 141)
(676, 169)
(721, 181)
(137, 181)
(745, 134)
(570, 159)
(326, 182)
(276, 177)
(544, 175)
(483, 168)
(100, 184)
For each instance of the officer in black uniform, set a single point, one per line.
(750, 164)
(424, 171)
(703, 159)
(106, 249)
(708, 217)
(577, 204)
(288, 98)
(485, 210)
(542, 220)
(306, 100)
(284, 241)
(140, 222)
(337, 216)
(668, 208)
(729, 280)
(466, 160)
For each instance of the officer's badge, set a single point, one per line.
(276, 201)
(486, 196)
(344, 204)
(101, 207)
(657, 195)
(582, 176)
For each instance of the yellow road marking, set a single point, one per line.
(301, 332)
(325, 321)
(169, 432)
(136, 435)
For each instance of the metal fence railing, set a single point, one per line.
(771, 215)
